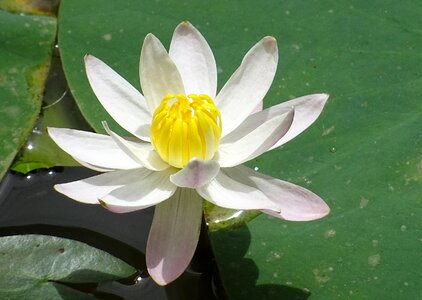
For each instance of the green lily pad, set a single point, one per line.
(25, 56)
(363, 155)
(39, 7)
(39, 267)
(58, 110)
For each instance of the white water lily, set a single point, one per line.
(189, 142)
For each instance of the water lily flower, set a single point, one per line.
(189, 143)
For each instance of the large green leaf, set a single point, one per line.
(39, 267)
(363, 155)
(58, 110)
(25, 48)
(39, 7)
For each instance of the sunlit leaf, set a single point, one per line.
(363, 155)
(25, 56)
(39, 267)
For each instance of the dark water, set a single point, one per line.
(29, 204)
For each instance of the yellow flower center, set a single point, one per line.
(186, 127)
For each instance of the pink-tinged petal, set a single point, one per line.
(158, 73)
(143, 153)
(252, 138)
(294, 203)
(119, 98)
(89, 190)
(174, 235)
(247, 87)
(194, 59)
(147, 191)
(196, 173)
(258, 108)
(307, 110)
(95, 149)
(228, 192)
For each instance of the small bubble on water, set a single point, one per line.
(333, 149)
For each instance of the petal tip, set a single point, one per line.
(158, 277)
(149, 37)
(324, 96)
(89, 58)
(58, 188)
(185, 24)
(270, 42)
(270, 39)
(50, 129)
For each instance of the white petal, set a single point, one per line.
(196, 173)
(174, 235)
(258, 108)
(92, 167)
(158, 73)
(247, 87)
(307, 109)
(143, 153)
(95, 149)
(119, 98)
(194, 60)
(252, 138)
(91, 189)
(227, 192)
(145, 192)
(294, 203)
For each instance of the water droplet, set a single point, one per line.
(330, 233)
(333, 149)
(363, 202)
(374, 260)
(107, 37)
(403, 228)
(273, 255)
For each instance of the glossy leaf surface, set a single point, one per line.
(363, 155)
(25, 56)
(40, 266)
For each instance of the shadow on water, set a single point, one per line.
(241, 273)
(30, 205)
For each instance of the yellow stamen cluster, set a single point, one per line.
(186, 127)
